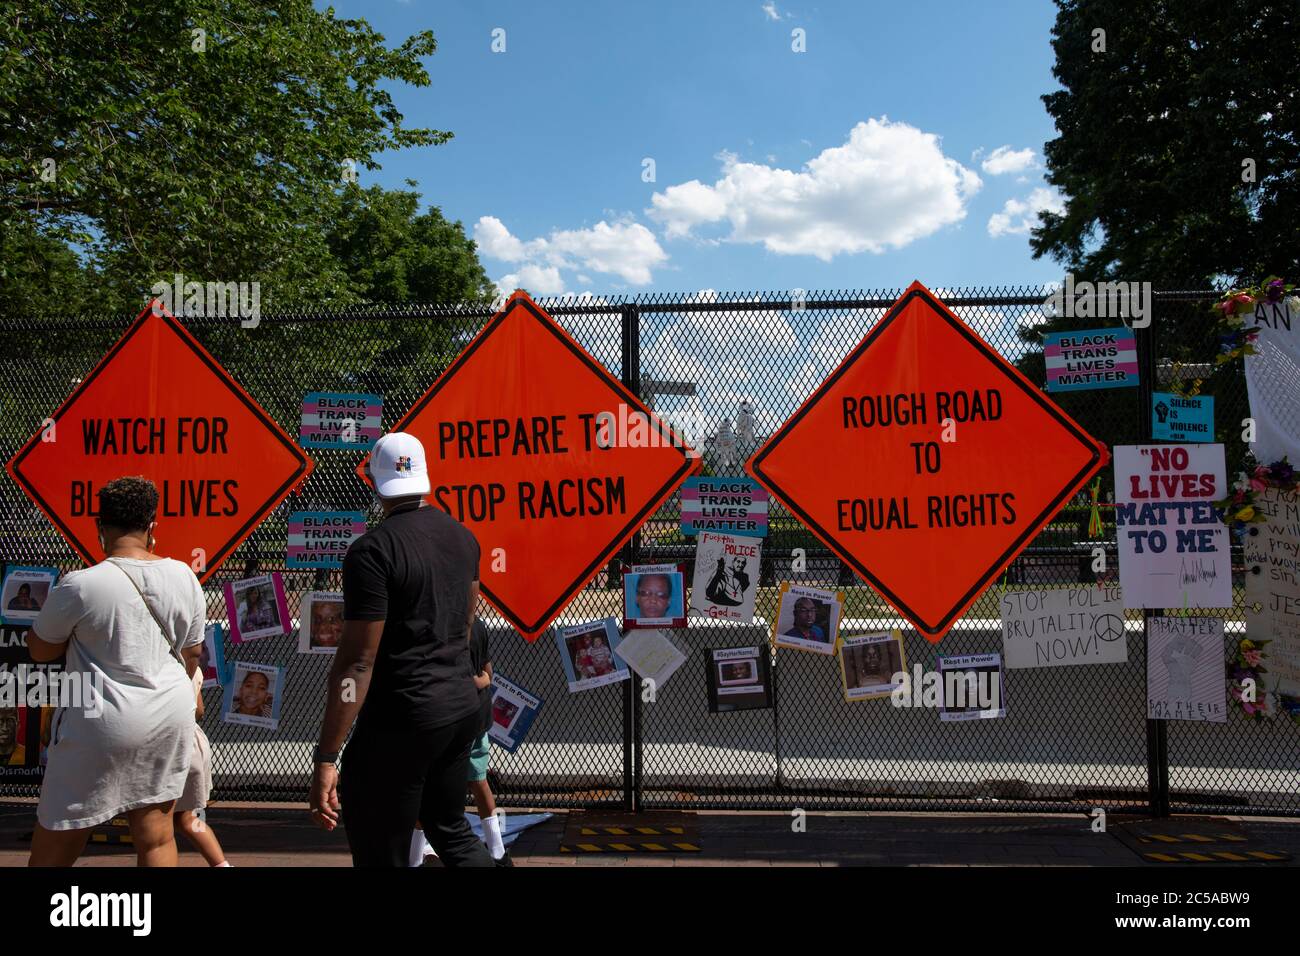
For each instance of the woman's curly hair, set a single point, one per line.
(128, 504)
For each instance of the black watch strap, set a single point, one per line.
(320, 756)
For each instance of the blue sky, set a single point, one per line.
(904, 143)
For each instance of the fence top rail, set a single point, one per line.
(793, 300)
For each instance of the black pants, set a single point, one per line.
(392, 776)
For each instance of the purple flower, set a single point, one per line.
(1273, 291)
(1282, 472)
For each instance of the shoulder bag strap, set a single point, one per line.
(162, 631)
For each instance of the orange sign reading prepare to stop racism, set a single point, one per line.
(926, 461)
(159, 405)
(551, 461)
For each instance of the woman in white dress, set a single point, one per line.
(133, 626)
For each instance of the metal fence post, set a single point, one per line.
(631, 355)
(1157, 730)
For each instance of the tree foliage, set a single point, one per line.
(1153, 135)
(214, 138)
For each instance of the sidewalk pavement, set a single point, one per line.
(279, 835)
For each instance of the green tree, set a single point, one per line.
(391, 252)
(207, 137)
(1153, 135)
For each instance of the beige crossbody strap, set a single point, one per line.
(162, 631)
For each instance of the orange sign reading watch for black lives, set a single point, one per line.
(159, 405)
(926, 461)
(545, 456)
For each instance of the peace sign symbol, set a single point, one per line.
(1108, 627)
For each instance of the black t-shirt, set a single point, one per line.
(414, 572)
(479, 658)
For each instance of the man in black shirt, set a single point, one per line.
(409, 590)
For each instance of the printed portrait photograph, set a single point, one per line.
(256, 608)
(871, 665)
(504, 712)
(805, 618)
(591, 654)
(254, 692)
(13, 733)
(731, 673)
(321, 626)
(24, 592)
(654, 597)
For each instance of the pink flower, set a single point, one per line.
(1258, 485)
(1252, 658)
(1261, 471)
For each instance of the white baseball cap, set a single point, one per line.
(397, 466)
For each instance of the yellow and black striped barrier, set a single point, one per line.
(630, 835)
(1195, 841)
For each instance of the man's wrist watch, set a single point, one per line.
(320, 756)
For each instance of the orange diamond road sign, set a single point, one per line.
(928, 515)
(545, 456)
(159, 405)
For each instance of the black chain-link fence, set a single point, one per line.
(1073, 737)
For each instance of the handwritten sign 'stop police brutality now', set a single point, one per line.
(926, 461)
(520, 448)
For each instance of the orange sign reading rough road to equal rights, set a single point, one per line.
(159, 405)
(545, 456)
(926, 461)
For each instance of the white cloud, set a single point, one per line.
(887, 186)
(538, 280)
(1004, 159)
(769, 8)
(1018, 216)
(624, 249)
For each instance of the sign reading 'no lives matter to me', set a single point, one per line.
(159, 405)
(545, 456)
(926, 462)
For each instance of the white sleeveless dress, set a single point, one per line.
(136, 751)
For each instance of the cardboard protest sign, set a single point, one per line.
(726, 576)
(320, 539)
(1093, 358)
(724, 505)
(1185, 669)
(1053, 626)
(1182, 418)
(1173, 547)
(1273, 380)
(341, 420)
(1272, 556)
